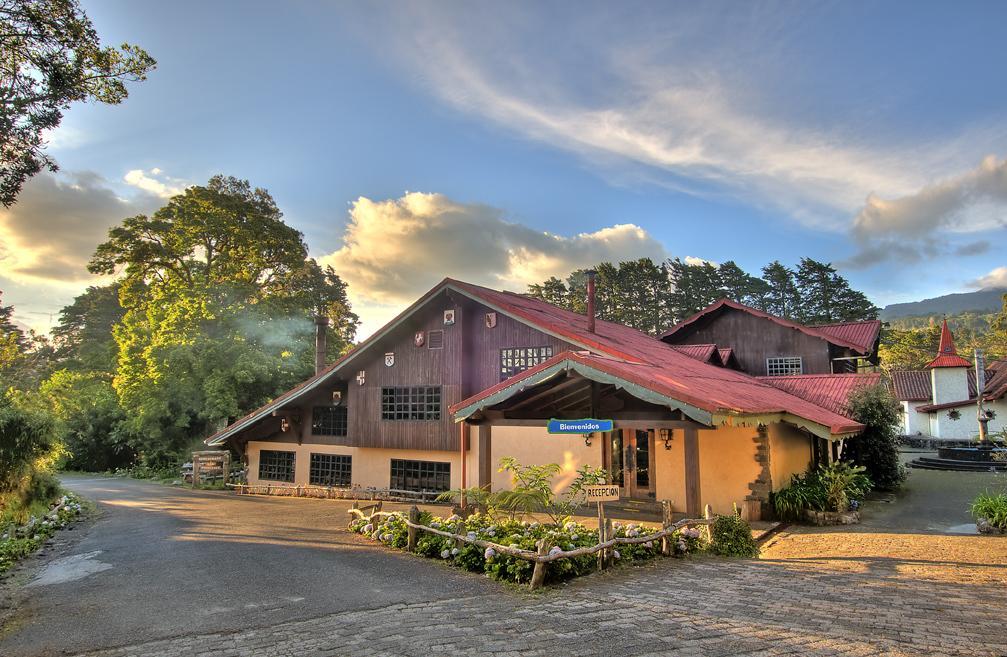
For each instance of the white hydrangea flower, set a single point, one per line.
(368, 528)
(454, 552)
(555, 549)
(445, 554)
(615, 553)
(489, 553)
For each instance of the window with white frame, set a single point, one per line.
(784, 365)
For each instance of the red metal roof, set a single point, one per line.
(947, 355)
(829, 391)
(677, 376)
(914, 385)
(834, 337)
(727, 357)
(708, 353)
(864, 334)
(655, 362)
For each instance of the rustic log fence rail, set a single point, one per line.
(336, 492)
(544, 553)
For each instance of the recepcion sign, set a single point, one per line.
(603, 493)
(588, 425)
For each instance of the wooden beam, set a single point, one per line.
(548, 391)
(693, 491)
(485, 455)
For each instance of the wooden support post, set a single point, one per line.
(601, 535)
(666, 522)
(195, 470)
(609, 534)
(708, 515)
(538, 574)
(414, 517)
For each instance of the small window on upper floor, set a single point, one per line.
(784, 365)
(514, 360)
(435, 339)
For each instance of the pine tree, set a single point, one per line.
(782, 297)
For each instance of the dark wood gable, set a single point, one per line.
(460, 355)
(754, 339)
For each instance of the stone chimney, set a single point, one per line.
(590, 300)
(321, 324)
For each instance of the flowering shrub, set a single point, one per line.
(570, 535)
(18, 542)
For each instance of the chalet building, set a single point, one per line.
(765, 345)
(941, 400)
(467, 375)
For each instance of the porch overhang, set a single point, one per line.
(504, 392)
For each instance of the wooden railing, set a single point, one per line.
(544, 553)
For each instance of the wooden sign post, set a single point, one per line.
(601, 494)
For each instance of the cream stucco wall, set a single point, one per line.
(789, 453)
(727, 466)
(669, 471)
(534, 445)
(371, 467)
(965, 427)
(949, 384)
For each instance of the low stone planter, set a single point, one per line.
(823, 518)
(984, 527)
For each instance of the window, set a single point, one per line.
(328, 421)
(783, 365)
(435, 339)
(411, 403)
(330, 469)
(518, 359)
(420, 475)
(276, 466)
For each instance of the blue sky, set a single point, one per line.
(505, 142)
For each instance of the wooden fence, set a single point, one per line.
(336, 492)
(544, 553)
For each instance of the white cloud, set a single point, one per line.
(154, 182)
(963, 203)
(995, 278)
(49, 234)
(393, 250)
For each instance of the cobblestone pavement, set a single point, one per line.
(875, 593)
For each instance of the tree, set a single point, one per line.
(83, 335)
(52, 57)
(739, 285)
(693, 287)
(551, 291)
(24, 359)
(877, 448)
(782, 297)
(909, 349)
(219, 295)
(826, 297)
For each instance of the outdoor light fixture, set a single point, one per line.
(666, 436)
(337, 397)
(284, 425)
(587, 439)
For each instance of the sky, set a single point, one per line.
(503, 143)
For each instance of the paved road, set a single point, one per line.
(182, 581)
(173, 562)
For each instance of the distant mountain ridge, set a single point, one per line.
(986, 300)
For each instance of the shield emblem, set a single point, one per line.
(389, 359)
(418, 339)
(491, 320)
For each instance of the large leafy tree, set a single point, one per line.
(50, 57)
(83, 335)
(218, 294)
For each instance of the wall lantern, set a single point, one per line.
(337, 397)
(587, 439)
(666, 435)
(284, 425)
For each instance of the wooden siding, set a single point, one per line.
(755, 339)
(468, 362)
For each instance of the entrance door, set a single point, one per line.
(629, 460)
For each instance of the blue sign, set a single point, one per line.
(579, 426)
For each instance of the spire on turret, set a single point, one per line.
(947, 355)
